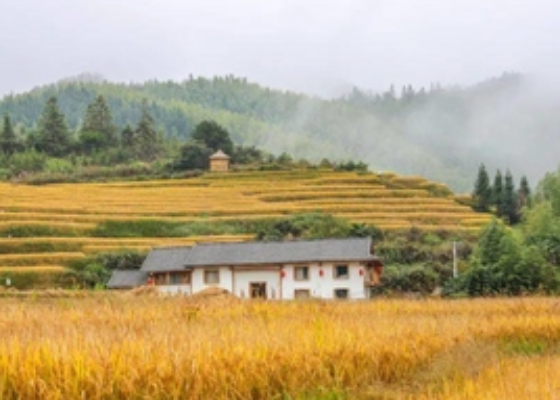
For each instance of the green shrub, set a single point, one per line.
(410, 278)
(26, 280)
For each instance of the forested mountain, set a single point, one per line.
(441, 133)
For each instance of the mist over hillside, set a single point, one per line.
(443, 133)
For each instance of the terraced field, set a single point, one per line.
(65, 214)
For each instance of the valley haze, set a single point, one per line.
(326, 49)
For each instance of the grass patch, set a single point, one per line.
(525, 347)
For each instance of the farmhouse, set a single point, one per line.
(328, 269)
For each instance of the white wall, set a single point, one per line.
(198, 279)
(175, 289)
(279, 287)
(324, 286)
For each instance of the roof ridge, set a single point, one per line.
(283, 241)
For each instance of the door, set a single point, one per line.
(257, 290)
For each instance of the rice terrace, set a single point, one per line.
(71, 221)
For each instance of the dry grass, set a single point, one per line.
(164, 348)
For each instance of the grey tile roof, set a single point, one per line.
(212, 254)
(166, 259)
(255, 253)
(124, 279)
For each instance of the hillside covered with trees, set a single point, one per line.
(440, 133)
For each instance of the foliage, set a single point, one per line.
(498, 193)
(351, 166)
(524, 195)
(359, 126)
(8, 140)
(214, 136)
(53, 136)
(502, 197)
(146, 141)
(509, 203)
(417, 278)
(192, 155)
(98, 131)
(26, 162)
(314, 226)
(502, 265)
(482, 190)
(95, 271)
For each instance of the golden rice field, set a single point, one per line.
(165, 348)
(390, 202)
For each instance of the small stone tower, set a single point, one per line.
(219, 162)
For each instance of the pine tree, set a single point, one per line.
(128, 137)
(98, 130)
(8, 139)
(482, 194)
(53, 137)
(509, 201)
(147, 138)
(523, 195)
(498, 192)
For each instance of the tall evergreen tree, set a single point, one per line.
(128, 137)
(523, 194)
(8, 139)
(498, 192)
(147, 138)
(509, 201)
(53, 137)
(98, 130)
(482, 194)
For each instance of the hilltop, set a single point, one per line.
(440, 133)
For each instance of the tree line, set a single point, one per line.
(501, 197)
(55, 148)
(422, 123)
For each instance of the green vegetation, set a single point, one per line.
(360, 126)
(501, 198)
(94, 271)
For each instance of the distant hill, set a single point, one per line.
(440, 133)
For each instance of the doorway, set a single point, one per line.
(257, 290)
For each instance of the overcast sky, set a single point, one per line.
(313, 45)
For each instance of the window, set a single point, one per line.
(161, 279)
(302, 294)
(341, 272)
(341, 294)
(301, 273)
(212, 277)
(179, 278)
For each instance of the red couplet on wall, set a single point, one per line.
(321, 272)
(282, 273)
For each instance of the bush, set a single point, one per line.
(26, 280)
(410, 278)
(95, 271)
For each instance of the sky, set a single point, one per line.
(316, 46)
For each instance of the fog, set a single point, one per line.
(322, 47)
(319, 47)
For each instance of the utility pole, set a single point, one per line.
(455, 271)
